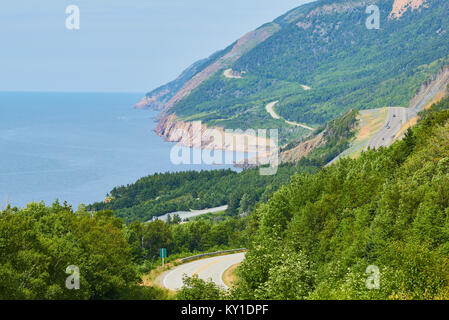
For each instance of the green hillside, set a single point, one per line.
(326, 46)
(162, 193)
(316, 237)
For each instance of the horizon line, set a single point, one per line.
(84, 92)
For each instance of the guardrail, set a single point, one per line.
(211, 254)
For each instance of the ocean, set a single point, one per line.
(76, 147)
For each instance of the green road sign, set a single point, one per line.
(163, 254)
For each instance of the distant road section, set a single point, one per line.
(206, 269)
(306, 87)
(270, 109)
(396, 119)
(377, 128)
(190, 214)
(382, 127)
(228, 73)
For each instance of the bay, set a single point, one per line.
(78, 146)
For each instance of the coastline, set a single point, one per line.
(198, 135)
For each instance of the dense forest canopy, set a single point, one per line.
(313, 238)
(162, 193)
(159, 194)
(38, 244)
(317, 237)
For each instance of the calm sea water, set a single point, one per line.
(77, 147)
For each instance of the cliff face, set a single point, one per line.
(401, 6)
(195, 134)
(155, 101)
(303, 149)
(430, 89)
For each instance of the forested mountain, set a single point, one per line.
(159, 194)
(319, 60)
(321, 236)
(390, 208)
(313, 239)
(162, 193)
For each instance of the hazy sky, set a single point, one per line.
(122, 45)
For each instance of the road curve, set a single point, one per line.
(206, 269)
(270, 109)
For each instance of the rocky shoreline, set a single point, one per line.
(198, 135)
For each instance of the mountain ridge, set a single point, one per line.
(321, 45)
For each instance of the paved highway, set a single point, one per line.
(397, 117)
(206, 269)
(270, 109)
(189, 214)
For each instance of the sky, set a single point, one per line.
(122, 45)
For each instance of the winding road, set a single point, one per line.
(270, 109)
(206, 269)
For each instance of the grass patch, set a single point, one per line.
(230, 275)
